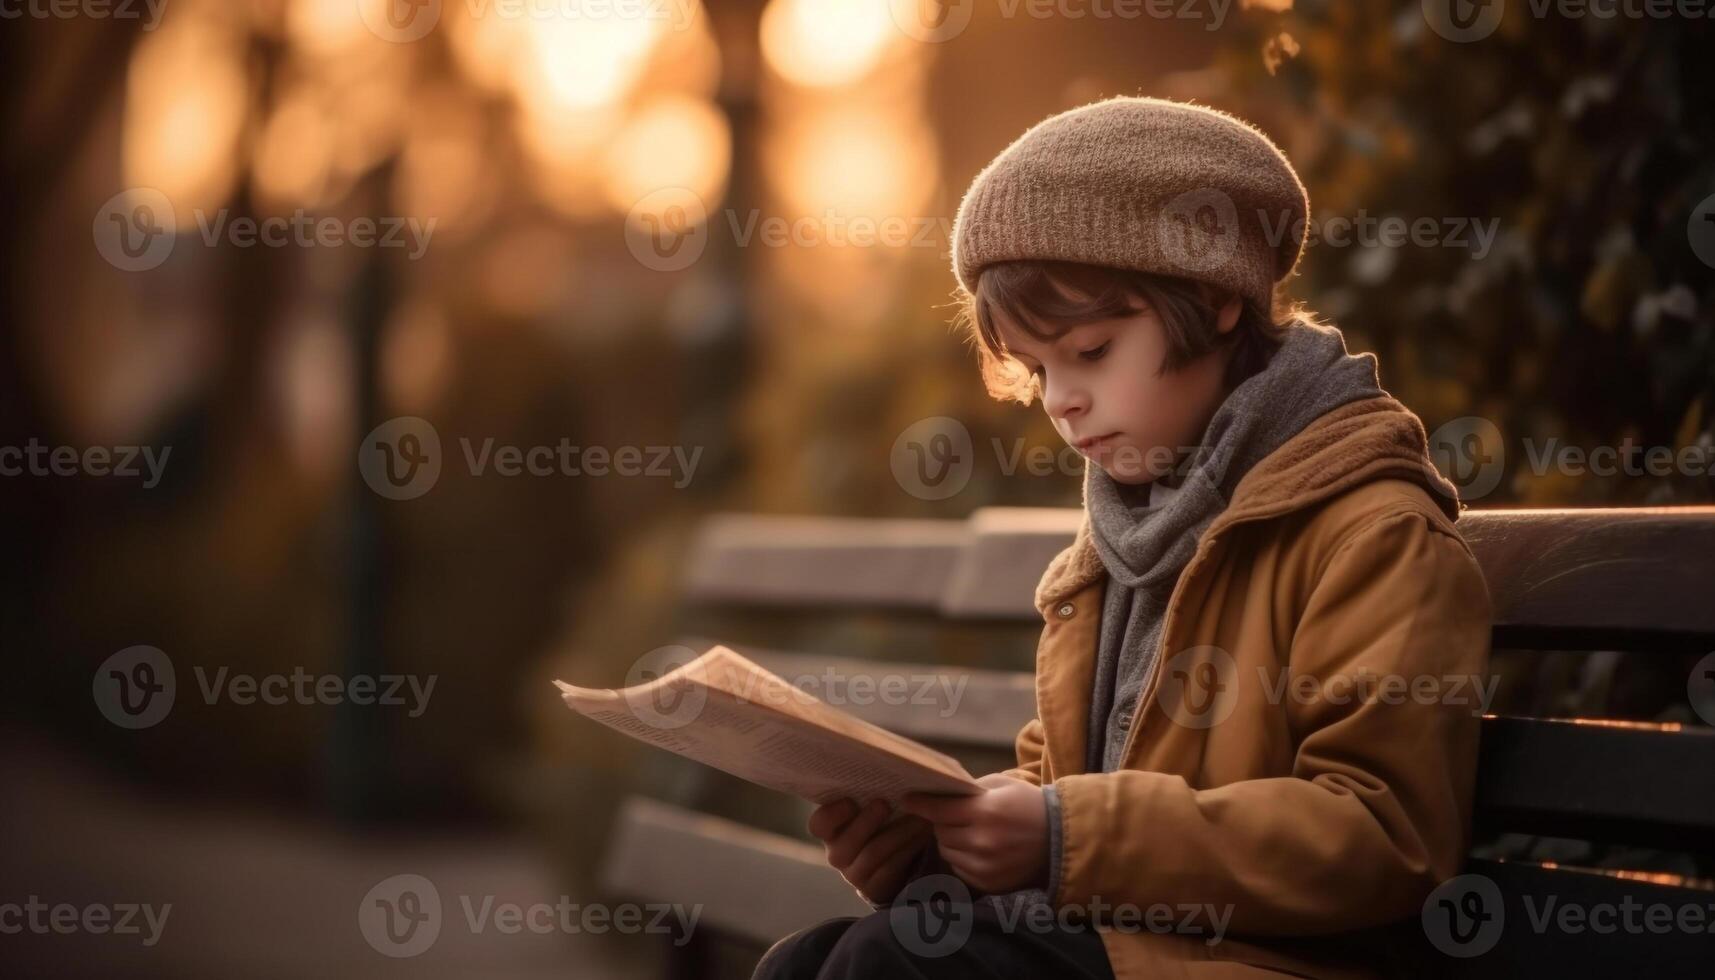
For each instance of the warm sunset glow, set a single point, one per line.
(443, 173)
(857, 159)
(486, 49)
(564, 152)
(672, 142)
(184, 110)
(587, 63)
(827, 42)
(326, 26)
(295, 153)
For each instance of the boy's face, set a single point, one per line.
(1100, 381)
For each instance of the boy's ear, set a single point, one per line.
(1227, 308)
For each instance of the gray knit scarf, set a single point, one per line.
(1146, 535)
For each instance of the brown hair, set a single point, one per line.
(1062, 295)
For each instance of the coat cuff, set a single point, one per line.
(1051, 796)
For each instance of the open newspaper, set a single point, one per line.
(723, 710)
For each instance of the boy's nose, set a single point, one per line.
(1065, 406)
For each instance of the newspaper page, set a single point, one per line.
(724, 710)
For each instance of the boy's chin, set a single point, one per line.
(1129, 474)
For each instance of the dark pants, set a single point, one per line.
(901, 942)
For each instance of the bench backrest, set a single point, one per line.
(1576, 580)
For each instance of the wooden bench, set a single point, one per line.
(1640, 580)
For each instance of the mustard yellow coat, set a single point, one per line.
(1306, 814)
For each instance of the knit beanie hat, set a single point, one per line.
(1139, 183)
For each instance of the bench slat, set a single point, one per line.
(812, 562)
(1605, 781)
(750, 883)
(1601, 577)
(1561, 579)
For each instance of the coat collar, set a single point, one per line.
(1357, 443)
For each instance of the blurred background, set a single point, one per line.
(241, 235)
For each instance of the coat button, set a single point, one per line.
(1125, 719)
(1065, 610)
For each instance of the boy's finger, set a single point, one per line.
(897, 841)
(845, 846)
(826, 820)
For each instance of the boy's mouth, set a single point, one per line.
(1093, 442)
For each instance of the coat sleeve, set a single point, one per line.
(1028, 747)
(1376, 811)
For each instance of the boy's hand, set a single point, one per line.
(995, 841)
(871, 853)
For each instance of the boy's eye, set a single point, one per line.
(1094, 353)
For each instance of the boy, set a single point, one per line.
(1267, 560)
